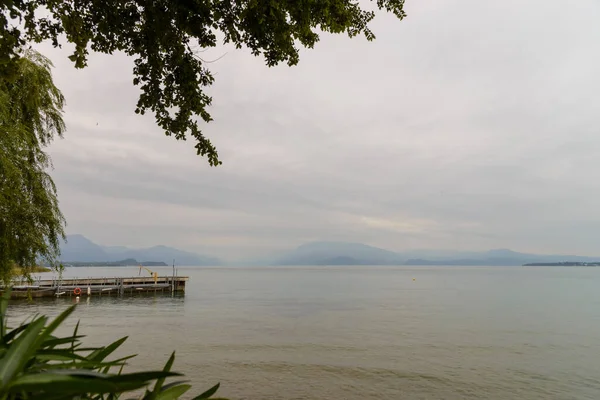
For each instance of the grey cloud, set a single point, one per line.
(470, 125)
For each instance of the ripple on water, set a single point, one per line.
(365, 332)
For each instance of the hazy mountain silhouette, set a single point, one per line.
(322, 253)
(343, 253)
(79, 248)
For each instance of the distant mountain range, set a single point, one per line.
(343, 253)
(79, 249)
(339, 253)
(130, 262)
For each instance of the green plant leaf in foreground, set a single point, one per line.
(3, 307)
(19, 352)
(160, 382)
(173, 392)
(35, 364)
(103, 352)
(209, 393)
(51, 383)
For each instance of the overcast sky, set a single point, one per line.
(470, 125)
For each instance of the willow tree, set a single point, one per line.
(31, 224)
(164, 37)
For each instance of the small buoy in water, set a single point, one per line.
(414, 279)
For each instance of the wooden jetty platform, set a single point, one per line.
(98, 286)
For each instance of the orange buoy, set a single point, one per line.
(76, 291)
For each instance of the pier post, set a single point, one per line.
(173, 279)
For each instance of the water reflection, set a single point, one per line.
(159, 302)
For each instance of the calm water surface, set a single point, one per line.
(363, 332)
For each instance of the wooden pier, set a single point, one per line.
(99, 286)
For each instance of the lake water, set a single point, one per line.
(362, 332)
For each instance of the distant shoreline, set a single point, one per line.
(35, 269)
(564, 264)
